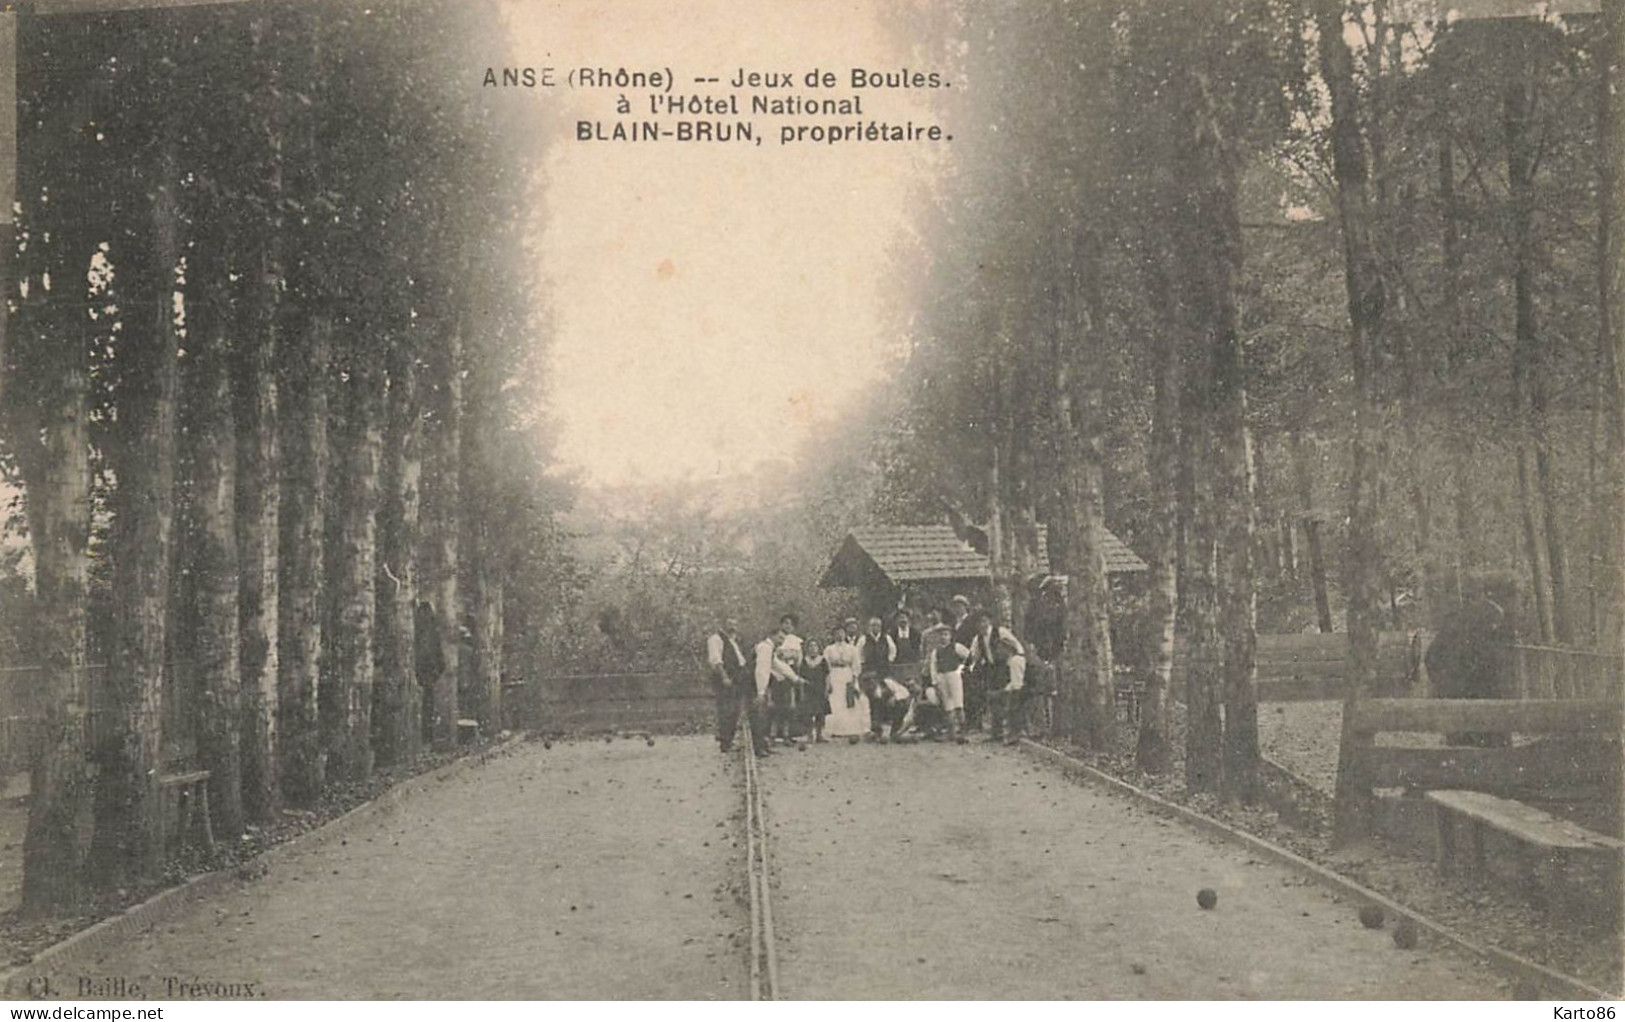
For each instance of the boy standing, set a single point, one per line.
(947, 660)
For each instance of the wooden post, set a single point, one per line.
(1447, 839)
(1354, 802)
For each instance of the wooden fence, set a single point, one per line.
(21, 715)
(1551, 672)
(676, 699)
(1310, 666)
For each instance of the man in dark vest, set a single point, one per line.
(946, 659)
(906, 637)
(730, 681)
(876, 654)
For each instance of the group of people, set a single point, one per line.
(933, 677)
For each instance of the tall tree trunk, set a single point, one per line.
(483, 570)
(1199, 606)
(1414, 463)
(128, 841)
(1266, 547)
(1022, 516)
(1552, 533)
(354, 565)
(998, 546)
(1090, 698)
(1609, 502)
(59, 524)
(1464, 462)
(1288, 545)
(1162, 588)
(1210, 259)
(1304, 472)
(442, 511)
(486, 605)
(303, 422)
(51, 353)
(1234, 495)
(214, 555)
(1518, 111)
(301, 588)
(258, 542)
(399, 727)
(258, 471)
(1367, 301)
(1410, 462)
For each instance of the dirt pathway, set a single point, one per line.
(590, 871)
(939, 871)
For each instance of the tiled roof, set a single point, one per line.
(910, 553)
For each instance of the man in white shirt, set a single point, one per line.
(790, 645)
(730, 680)
(784, 692)
(769, 667)
(892, 705)
(1008, 697)
(876, 655)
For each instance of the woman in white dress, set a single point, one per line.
(848, 706)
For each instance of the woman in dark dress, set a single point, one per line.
(815, 700)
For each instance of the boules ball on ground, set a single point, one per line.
(1372, 917)
(1207, 897)
(1405, 935)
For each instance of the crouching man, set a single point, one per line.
(892, 705)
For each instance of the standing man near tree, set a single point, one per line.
(730, 682)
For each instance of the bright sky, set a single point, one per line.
(713, 304)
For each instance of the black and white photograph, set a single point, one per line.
(812, 500)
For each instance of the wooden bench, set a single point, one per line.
(192, 792)
(1540, 834)
(1576, 758)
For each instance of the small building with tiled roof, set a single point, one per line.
(887, 562)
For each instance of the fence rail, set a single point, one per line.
(1312, 666)
(22, 716)
(1555, 672)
